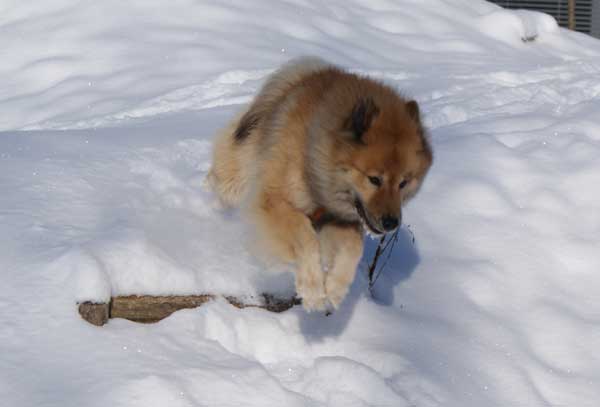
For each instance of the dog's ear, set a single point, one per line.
(360, 118)
(412, 108)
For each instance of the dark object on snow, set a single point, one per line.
(529, 39)
(96, 314)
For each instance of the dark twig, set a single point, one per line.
(382, 247)
(393, 243)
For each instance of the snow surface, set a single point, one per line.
(108, 109)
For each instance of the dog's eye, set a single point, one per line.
(375, 181)
(403, 184)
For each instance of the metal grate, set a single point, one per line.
(587, 12)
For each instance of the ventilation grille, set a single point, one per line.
(559, 10)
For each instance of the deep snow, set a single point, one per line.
(108, 109)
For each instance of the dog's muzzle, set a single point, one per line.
(362, 213)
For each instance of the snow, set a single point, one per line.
(107, 114)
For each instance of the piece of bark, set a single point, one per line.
(147, 308)
(95, 313)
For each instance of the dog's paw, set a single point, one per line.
(335, 291)
(312, 292)
(314, 303)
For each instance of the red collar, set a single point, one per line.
(318, 216)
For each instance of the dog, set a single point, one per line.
(318, 158)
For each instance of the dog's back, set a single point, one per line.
(237, 147)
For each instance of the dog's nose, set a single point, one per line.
(389, 223)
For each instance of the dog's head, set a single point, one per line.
(382, 157)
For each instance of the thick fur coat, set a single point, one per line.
(319, 157)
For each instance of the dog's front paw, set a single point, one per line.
(312, 292)
(336, 291)
(314, 303)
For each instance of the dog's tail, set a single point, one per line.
(232, 164)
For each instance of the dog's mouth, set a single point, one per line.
(362, 213)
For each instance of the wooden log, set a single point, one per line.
(149, 309)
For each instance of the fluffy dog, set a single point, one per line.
(319, 157)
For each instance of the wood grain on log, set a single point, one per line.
(148, 308)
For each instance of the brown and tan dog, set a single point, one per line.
(320, 156)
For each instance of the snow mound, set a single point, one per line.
(515, 27)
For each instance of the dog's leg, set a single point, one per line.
(288, 233)
(341, 250)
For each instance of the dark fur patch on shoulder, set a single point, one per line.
(361, 117)
(248, 122)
